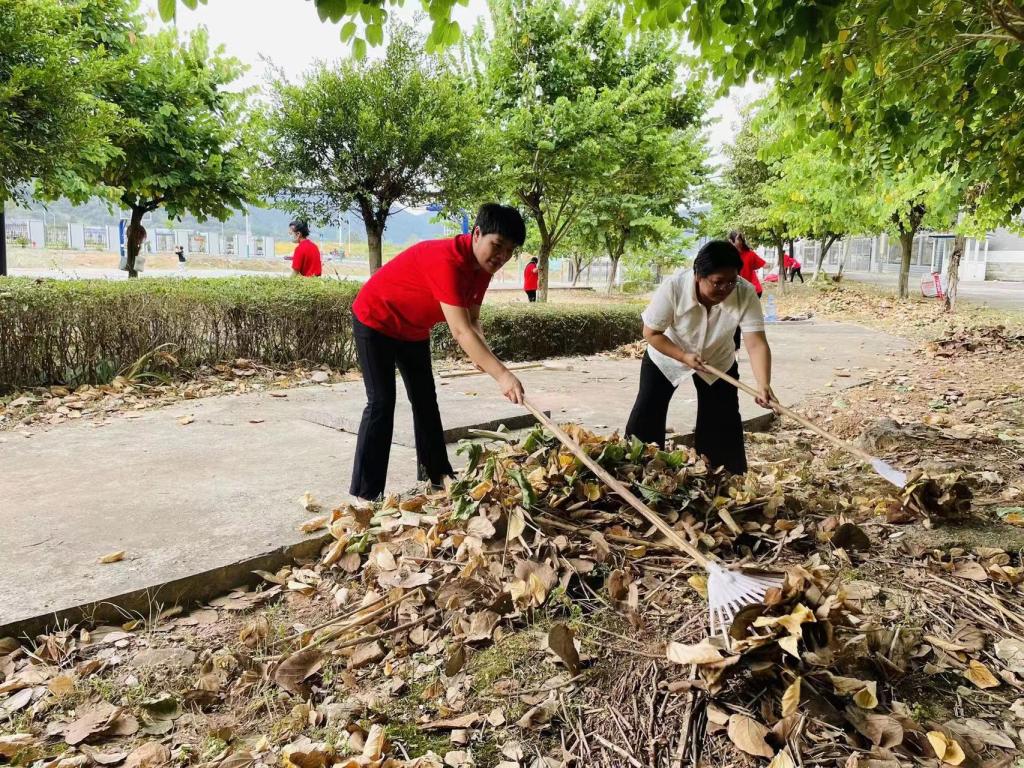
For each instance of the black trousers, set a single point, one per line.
(378, 356)
(795, 272)
(719, 432)
(531, 295)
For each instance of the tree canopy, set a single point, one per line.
(371, 135)
(56, 124)
(184, 139)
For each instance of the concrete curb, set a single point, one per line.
(189, 590)
(199, 587)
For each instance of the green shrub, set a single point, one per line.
(536, 331)
(86, 331)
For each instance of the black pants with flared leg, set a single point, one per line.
(719, 432)
(378, 356)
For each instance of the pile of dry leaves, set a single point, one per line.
(132, 392)
(525, 617)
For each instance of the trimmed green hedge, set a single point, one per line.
(537, 331)
(86, 331)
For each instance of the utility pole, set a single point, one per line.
(248, 236)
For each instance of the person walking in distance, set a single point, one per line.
(792, 266)
(306, 258)
(432, 282)
(530, 280)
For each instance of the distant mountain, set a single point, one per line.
(404, 226)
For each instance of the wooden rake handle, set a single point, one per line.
(801, 420)
(652, 517)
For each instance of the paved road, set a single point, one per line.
(1000, 294)
(186, 499)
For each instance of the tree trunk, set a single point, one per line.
(543, 256)
(134, 239)
(826, 245)
(3, 241)
(576, 265)
(906, 251)
(780, 246)
(953, 279)
(613, 271)
(374, 238)
(847, 244)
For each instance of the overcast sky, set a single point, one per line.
(290, 34)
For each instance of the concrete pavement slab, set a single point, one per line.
(223, 488)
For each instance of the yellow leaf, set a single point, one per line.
(791, 645)
(701, 653)
(314, 525)
(867, 697)
(748, 735)
(61, 685)
(959, 123)
(980, 675)
(879, 67)
(800, 615)
(592, 491)
(700, 584)
(113, 557)
(790, 700)
(844, 35)
(946, 749)
(849, 63)
(635, 551)
(481, 490)
(783, 760)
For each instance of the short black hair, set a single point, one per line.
(300, 226)
(534, 260)
(504, 220)
(715, 255)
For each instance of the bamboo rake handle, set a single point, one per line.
(802, 420)
(652, 517)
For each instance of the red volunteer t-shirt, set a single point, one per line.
(751, 263)
(306, 259)
(403, 298)
(530, 279)
(790, 263)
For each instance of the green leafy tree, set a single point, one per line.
(371, 135)
(185, 142)
(56, 124)
(566, 95)
(748, 185)
(658, 151)
(820, 196)
(939, 81)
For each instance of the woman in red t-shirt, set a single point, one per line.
(530, 279)
(751, 261)
(306, 259)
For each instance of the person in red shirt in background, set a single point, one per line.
(306, 259)
(530, 279)
(792, 266)
(431, 282)
(751, 263)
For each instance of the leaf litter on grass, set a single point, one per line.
(523, 616)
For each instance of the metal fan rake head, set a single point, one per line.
(730, 591)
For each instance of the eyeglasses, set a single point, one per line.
(722, 286)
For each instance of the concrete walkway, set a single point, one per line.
(183, 499)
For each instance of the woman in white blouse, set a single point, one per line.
(691, 320)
